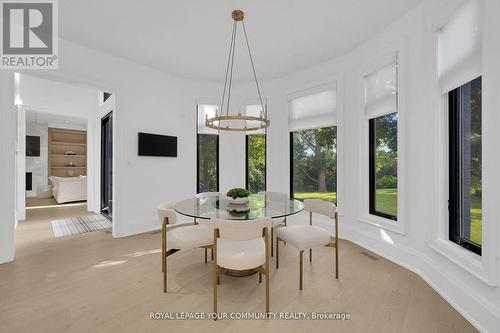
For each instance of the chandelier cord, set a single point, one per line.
(227, 68)
(230, 85)
(218, 122)
(253, 69)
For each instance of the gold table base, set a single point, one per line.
(239, 273)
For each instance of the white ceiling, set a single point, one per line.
(191, 38)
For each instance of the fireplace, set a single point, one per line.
(29, 181)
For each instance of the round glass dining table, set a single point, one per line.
(258, 206)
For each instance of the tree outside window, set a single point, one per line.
(314, 163)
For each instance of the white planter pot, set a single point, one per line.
(237, 201)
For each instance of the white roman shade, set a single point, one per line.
(381, 91)
(254, 110)
(203, 111)
(459, 47)
(313, 111)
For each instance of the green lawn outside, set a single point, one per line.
(328, 196)
(386, 202)
(476, 215)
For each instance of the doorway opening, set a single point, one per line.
(58, 165)
(107, 165)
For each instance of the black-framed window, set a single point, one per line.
(465, 164)
(383, 164)
(207, 151)
(255, 166)
(313, 164)
(207, 163)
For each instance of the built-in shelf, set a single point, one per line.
(68, 143)
(62, 155)
(69, 167)
(62, 141)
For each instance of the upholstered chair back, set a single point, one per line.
(166, 210)
(321, 207)
(241, 230)
(274, 195)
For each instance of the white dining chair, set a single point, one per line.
(177, 237)
(278, 196)
(305, 237)
(241, 245)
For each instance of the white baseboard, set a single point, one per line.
(137, 231)
(6, 259)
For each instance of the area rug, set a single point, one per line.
(79, 225)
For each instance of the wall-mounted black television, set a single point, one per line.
(157, 145)
(32, 145)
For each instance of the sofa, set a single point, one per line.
(69, 189)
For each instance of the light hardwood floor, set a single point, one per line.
(96, 283)
(42, 202)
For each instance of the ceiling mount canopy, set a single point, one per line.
(226, 121)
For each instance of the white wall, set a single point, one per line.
(8, 125)
(146, 101)
(59, 98)
(467, 281)
(149, 101)
(38, 165)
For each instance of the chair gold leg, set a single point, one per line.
(215, 288)
(165, 278)
(267, 288)
(260, 277)
(266, 268)
(272, 240)
(206, 250)
(310, 255)
(212, 251)
(337, 261)
(301, 268)
(163, 250)
(164, 256)
(336, 245)
(215, 271)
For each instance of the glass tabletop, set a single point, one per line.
(258, 206)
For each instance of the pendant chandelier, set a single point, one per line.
(226, 121)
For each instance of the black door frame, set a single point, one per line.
(106, 188)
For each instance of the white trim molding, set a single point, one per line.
(376, 63)
(481, 267)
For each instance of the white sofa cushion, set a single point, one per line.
(304, 237)
(68, 189)
(241, 254)
(190, 237)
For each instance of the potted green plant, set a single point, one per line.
(238, 196)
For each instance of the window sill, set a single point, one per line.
(384, 223)
(465, 259)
